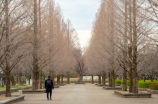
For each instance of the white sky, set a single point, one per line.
(81, 13)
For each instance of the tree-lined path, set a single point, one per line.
(84, 94)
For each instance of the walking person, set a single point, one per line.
(49, 86)
(78, 79)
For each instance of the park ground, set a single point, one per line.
(84, 94)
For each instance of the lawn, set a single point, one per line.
(14, 87)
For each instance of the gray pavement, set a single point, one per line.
(84, 94)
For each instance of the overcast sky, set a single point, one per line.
(81, 13)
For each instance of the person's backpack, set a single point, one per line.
(49, 83)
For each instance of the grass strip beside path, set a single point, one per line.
(14, 87)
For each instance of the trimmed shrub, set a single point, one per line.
(147, 81)
(118, 81)
(145, 84)
(153, 86)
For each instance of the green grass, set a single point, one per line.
(2, 88)
(14, 87)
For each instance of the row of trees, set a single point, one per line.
(124, 41)
(35, 40)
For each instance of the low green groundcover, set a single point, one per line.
(13, 87)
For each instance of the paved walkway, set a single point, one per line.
(84, 94)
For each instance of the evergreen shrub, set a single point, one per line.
(145, 84)
(153, 86)
(118, 81)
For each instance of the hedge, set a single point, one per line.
(145, 84)
(118, 81)
(153, 86)
(141, 83)
(147, 81)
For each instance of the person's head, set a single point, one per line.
(49, 77)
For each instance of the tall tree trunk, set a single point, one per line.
(113, 78)
(19, 78)
(112, 42)
(29, 79)
(68, 79)
(40, 73)
(103, 80)
(62, 79)
(81, 78)
(124, 80)
(53, 79)
(92, 80)
(125, 48)
(110, 81)
(99, 79)
(58, 80)
(135, 87)
(131, 81)
(152, 79)
(35, 50)
(7, 54)
(130, 50)
(40, 80)
(8, 91)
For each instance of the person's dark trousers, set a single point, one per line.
(50, 95)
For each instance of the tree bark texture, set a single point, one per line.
(8, 91)
(92, 80)
(68, 79)
(99, 79)
(19, 78)
(103, 80)
(7, 54)
(52, 77)
(135, 87)
(40, 80)
(110, 81)
(81, 78)
(113, 78)
(35, 50)
(58, 80)
(62, 79)
(124, 80)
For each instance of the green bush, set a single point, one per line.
(143, 80)
(118, 81)
(126, 82)
(147, 81)
(153, 86)
(145, 84)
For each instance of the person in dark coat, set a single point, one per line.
(49, 86)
